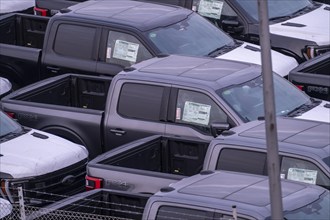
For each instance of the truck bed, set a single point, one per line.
(148, 164)
(313, 76)
(23, 30)
(71, 91)
(164, 155)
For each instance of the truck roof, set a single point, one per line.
(249, 192)
(297, 134)
(215, 73)
(137, 14)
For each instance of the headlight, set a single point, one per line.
(311, 51)
(9, 189)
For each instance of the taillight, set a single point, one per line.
(301, 87)
(40, 11)
(93, 183)
(11, 114)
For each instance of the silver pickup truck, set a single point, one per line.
(146, 165)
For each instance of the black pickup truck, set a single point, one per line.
(78, 41)
(185, 96)
(313, 76)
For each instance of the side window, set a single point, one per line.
(140, 101)
(216, 11)
(70, 38)
(198, 110)
(170, 212)
(124, 49)
(244, 161)
(303, 171)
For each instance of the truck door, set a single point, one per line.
(191, 113)
(72, 48)
(139, 110)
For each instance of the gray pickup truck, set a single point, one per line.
(174, 95)
(146, 165)
(76, 40)
(313, 76)
(216, 198)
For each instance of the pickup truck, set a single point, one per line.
(186, 96)
(146, 165)
(43, 164)
(313, 76)
(297, 28)
(77, 41)
(208, 195)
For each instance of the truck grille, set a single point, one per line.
(51, 187)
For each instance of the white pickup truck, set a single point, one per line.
(44, 165)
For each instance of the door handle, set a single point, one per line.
(118, 132)
(53, 69)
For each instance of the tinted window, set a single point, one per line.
(124, 49)
(198, 110)
(242, 161)
(303, 171)
(276, 8)
(192, 36)
(140, 101)
(246, 99)
(75, 41)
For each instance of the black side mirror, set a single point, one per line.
(218, 128)
(232, 26)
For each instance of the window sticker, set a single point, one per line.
(125, 50)
(210, 8)
(302, 175)
(196, 113)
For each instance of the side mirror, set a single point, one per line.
(218, 128)
(232, 26)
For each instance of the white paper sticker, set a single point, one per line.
(210, 8)
(125, 50)
(196, 113)
(302, 175)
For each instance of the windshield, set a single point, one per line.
(276, 8)
(316, 210)
(247, 99)
(192, 36)
(7, 125)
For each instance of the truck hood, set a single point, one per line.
(29, 155)
(319, 113)
(316, 27)
(251, 53)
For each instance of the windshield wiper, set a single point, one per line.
(303, 108)
(281, 18)
(222, 50)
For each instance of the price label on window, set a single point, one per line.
(196, 113)
(210, 8)
(125, 50)
(302, 175)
